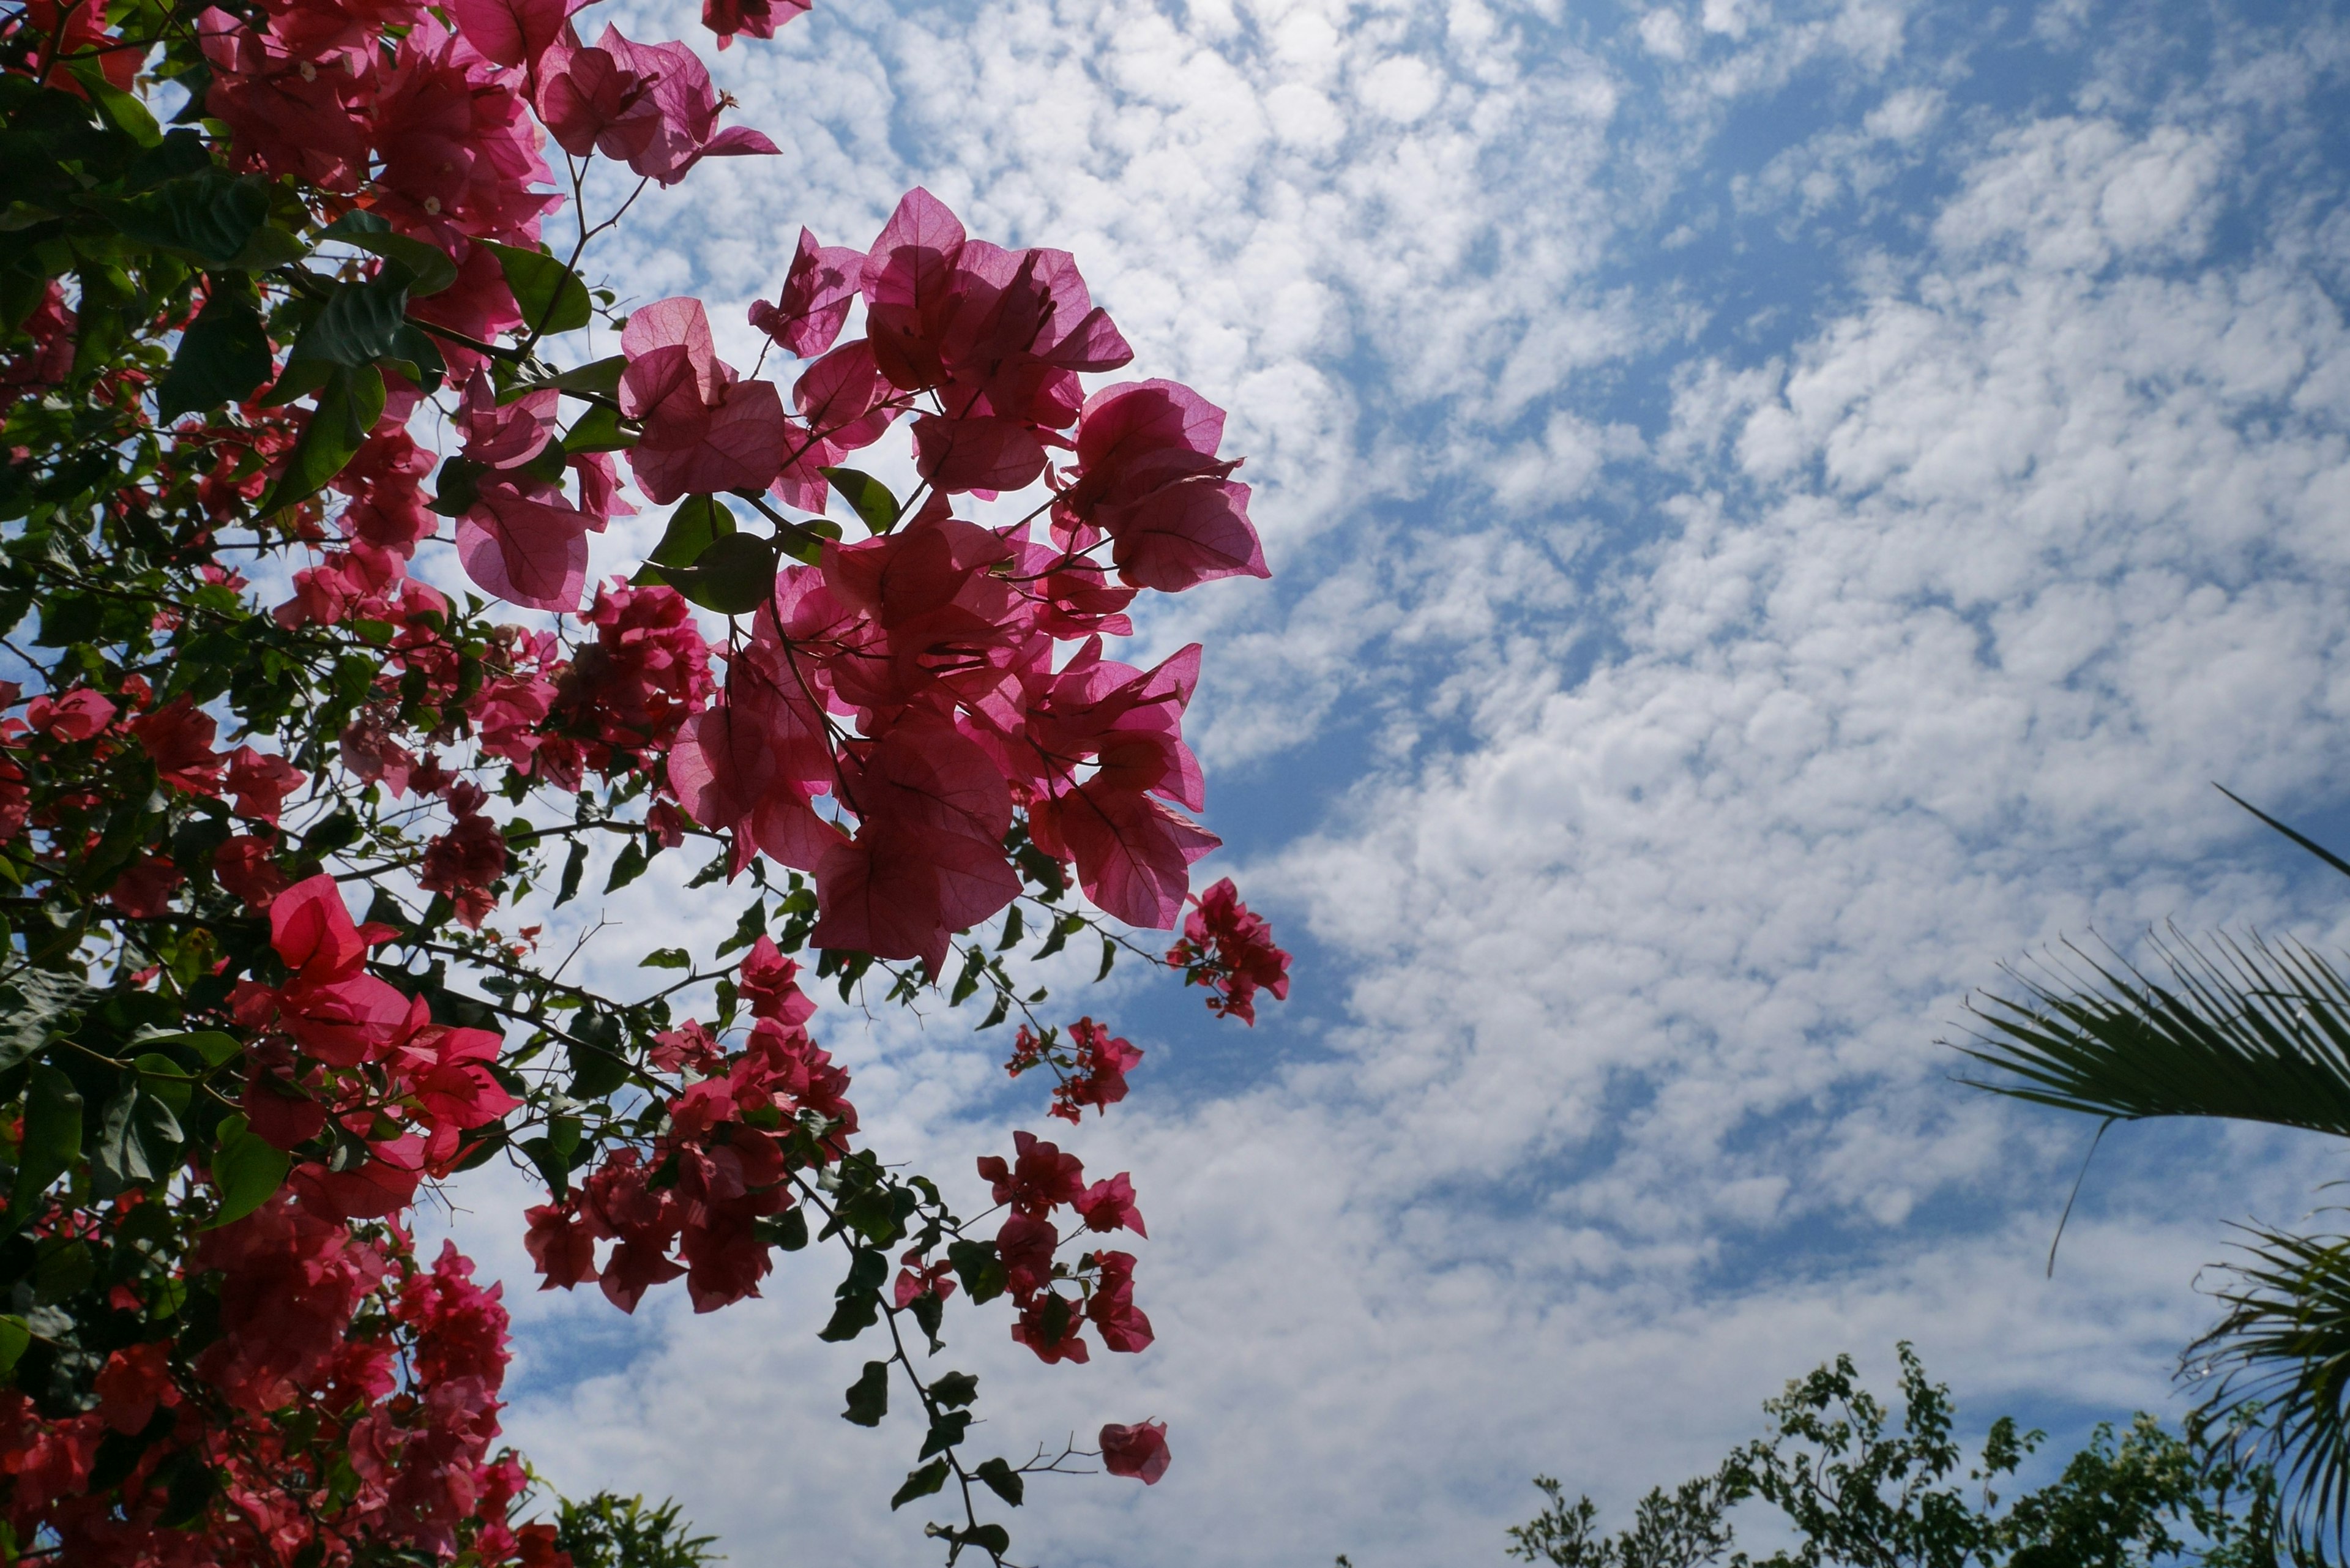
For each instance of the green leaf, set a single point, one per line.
(698, 522)
(1003, 1480)
(992, 1539)
(348, 406)
(210, 1043)
(138, 1140)
(919, 1483)
(788, 1229)
(552, 297)
(851, 1316)
(666, 957)
(551, 1164)
(210, 215)
(52, 1138)
(247, 1171)
(978, 1267)
(1110, 957)
(954, 1390)
(129, 115)
(162, 1077)
(34, 1007)
(734, 575)
(223, 355)
(429, 264)
(16, 1338)
(574, 866)
(602, 377)
(627, 866)
(947, 1430)
(598, 1065)
(868, 1397)
(869, 495)
(360, 322)
(598, 429)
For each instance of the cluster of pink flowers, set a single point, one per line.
(399, 1088)
(729, 1156)
(1091, 1068)
(1229, 947)
(399, 1368)
(1040, 1178)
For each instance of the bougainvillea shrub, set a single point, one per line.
(297, 296)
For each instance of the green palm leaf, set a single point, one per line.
(2254, 1030)
(2280, 1357)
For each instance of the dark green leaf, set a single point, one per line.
(246, 1169)
(34, 1006)
(1003, 1480)
(574, 866)
(348, 406)
(734, 575)
(597, 1067)
(1110, 957)
(188, 1491)
(602, 377)
(979, 1269)
(869, 495)
(698, 522)
(223, 355)
(429, 264)
(868, 1397)
(954, 1390)
(551, 1164)
(627, 866)
(360, 323)
(552, 297)
(666, 957)
(598, 429)
(947, 1430)
(52, 1137)
(210, 1043)
(851, 1316)
(14, 1338)
(788, 1229)
(210, 215)
(919, 1483)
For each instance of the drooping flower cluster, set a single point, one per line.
(1041, 1178)
(724, 1146)
(1229, 948)
(1091, 1067)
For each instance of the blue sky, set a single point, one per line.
(1777, 508)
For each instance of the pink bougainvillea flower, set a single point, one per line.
(760, 18)
(1139, 1451)
(261, 783)
(685, 106)
(521, 542)
(179, 737)
(705, 429)
(1148, 476)
(817, 290)
(79, 715)
(512, 32)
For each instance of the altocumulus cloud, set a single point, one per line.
(1777, 508)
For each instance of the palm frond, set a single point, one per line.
(2254, 1030)
(2280, 1358)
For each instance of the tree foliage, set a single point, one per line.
(1851, 1490)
